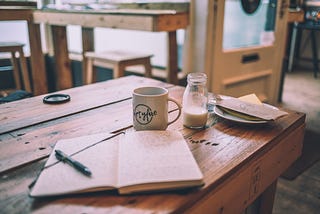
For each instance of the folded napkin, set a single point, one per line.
(248, 110)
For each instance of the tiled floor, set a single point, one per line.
(302, 93)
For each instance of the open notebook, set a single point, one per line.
(132, 162)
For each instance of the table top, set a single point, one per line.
(19, 4)
(29, 129)
(130, 19)
(150, 7)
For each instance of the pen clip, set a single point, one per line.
(59, 155)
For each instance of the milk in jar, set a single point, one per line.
(195, 101)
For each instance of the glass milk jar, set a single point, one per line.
(195, 101)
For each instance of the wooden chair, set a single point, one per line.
(13, 48)
(118, 59)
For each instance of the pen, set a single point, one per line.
(76, 164)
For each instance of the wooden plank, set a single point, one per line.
(171, 22)
(158, 7)
(32, 111)
(12, 14)
(144, 21)
(129, 22)
(31, 4)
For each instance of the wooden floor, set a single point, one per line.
(298, 191)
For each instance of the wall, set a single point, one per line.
(194, 54)
(15, 31)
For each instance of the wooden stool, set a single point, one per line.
(312, 27)
(118, 59)
(13, 48)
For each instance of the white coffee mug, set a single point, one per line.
(150, 108)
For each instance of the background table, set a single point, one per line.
(131, 19)
(240, 162)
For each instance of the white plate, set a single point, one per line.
(227, 116)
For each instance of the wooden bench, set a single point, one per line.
(119, 60)
(13, 48)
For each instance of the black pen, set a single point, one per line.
(76, 164)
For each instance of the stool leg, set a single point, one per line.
(16, 73)
(314, 53)
(94, 73)
(24, 71)
(148, 68)
(292, 47)
(88, 71)
(118, 70)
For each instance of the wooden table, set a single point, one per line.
(239, 162)
(131, 19)
(17, 11)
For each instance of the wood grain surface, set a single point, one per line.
(239, 162)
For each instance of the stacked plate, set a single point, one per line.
(237, 118)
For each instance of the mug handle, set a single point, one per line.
(179, 108)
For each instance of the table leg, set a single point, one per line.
(63, 71)
(267, 199)
(16, 71)
(24, 71)
(87, 45)
(172, 60)
(314, 52)
(38, 69)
